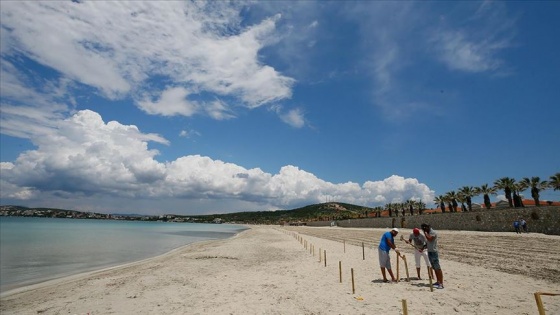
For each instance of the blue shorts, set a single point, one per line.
(434, 260)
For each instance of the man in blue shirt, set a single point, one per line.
(516, 226)
(385, 245)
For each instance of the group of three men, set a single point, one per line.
(422, 242)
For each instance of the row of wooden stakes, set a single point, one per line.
(323, 258)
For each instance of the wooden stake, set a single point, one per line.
(406, 268)
(325, 258)
(430, 276)
(404, 307)
(363, 252)
(353, 288)
(340, 271)
(320, 257)
(398, 277)
(344, 243)
(540, 305)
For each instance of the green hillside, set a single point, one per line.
(318, 212)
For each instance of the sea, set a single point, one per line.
(34, 250)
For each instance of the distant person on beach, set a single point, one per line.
(516, 226)
(420, 243)
(432, 237)
(524, 225)
(385, 245)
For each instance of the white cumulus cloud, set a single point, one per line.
(85, 156)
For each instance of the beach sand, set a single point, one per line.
(267, 270)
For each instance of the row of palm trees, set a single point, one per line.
(403, 207)
(512, 190)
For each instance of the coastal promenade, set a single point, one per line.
(277, 270)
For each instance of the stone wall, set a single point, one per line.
(539, 219)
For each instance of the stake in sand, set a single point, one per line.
(540, 305)
(398, 264)
(340, 271)
(404, 307)
(430, 276)
(406, 268)
(352, 273)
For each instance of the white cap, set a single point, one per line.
(395, 229)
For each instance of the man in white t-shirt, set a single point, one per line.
(420, 244)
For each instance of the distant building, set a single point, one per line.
(476, 206)
(502, 204)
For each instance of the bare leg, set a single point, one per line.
(383, 273)
(392, 276)
(439, 276)
(418, 272)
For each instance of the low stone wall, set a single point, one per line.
(544, 219)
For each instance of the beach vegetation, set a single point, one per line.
(554, 182)
(466, 193)
(451, 200)
(536, 185)
(506, 184)
(486, 191)
(440, 201)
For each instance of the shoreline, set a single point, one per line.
(267, 270)
(85, 274)
(48, 281)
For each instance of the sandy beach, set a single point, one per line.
(267, 270)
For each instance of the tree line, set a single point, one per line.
(512, 191)
(463, 196)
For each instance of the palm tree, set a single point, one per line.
(506, 184)
(536, 186)
(389, 207)
(462, 199)
(439, 201)
(410, 204)
(468, 192)
(451, 198)
(517, 188)
(486, 191)
(554, 182)
(447, 200)
(421, 206)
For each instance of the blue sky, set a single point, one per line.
(214, 107)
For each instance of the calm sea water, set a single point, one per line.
(34, 250)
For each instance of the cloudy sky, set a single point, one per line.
(214, 107)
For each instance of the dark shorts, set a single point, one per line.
(434, 260)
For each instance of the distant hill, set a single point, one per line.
(318, 212)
